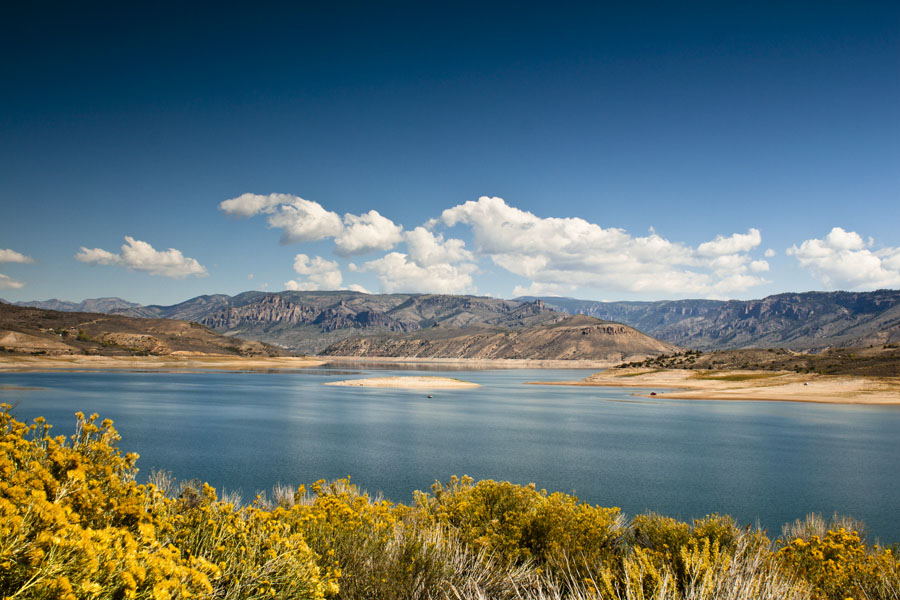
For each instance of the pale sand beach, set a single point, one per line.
(407, 382)
(172, 362)
(747, 385)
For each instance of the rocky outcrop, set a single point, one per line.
(575, 338)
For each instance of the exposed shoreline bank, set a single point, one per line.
(20, 363)
(473, 363)
(778, 386)
(188, 362)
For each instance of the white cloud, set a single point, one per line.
(250, 205)
(551, 253)
(11, 256)
(399, 274)
(141, 256)
(355, 287)
(98, 256)
(543, 289)
(300, 220)
(558, 253)
(759, 266)
(320, 274)
(300, 286)
(8, 283)
(425, 248)
(737, 242)
(305, 221)
(844, 261)
(367, 232)
(769, 253)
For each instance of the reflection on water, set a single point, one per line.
(767, 461)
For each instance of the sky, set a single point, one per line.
(598, 150)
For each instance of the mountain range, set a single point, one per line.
(811, 321)
(311, 321)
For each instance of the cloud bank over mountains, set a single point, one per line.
(553, 255)
(549, 255)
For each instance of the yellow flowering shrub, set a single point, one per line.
(557, 532)
(839, 566)
(74, 524)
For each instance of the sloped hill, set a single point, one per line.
(37, 331)
(575, 338)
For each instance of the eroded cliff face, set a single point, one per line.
(274, 310)
(576, 338)
(310, 321)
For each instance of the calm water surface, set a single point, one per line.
(770, 462)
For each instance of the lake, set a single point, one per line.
(761, 462)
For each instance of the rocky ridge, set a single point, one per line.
(811, 321)
(309, 322)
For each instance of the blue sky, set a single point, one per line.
(611, 151)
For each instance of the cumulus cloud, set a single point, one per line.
(355, 287)
(557, 253)
(426, 249)
(543, 289)
(250, 205)
(366, 233)
(319, 273)
(769, 253)
(300, 220)
(553, 254)
(397, 272)
(141, 256)
(843, 260)
(307, 221)
(759, 266)
(11, 256)
(737, 242)
(8, 283)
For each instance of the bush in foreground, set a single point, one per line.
(75, 524)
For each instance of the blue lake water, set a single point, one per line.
(765, 462)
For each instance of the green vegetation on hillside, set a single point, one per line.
(75, 524)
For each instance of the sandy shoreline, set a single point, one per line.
(155, 363)
(172, 362)
(473, 363)
(406, 382)
(782, 386)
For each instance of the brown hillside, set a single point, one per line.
(872, 361)
(576, 338)
(26, 330)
